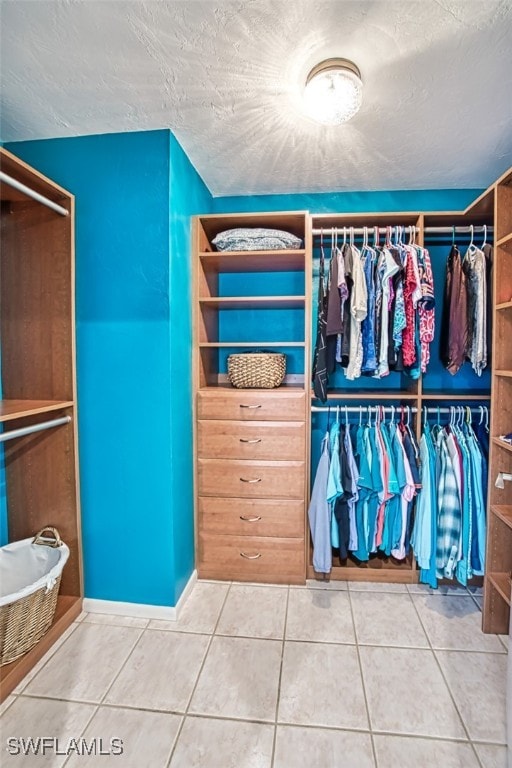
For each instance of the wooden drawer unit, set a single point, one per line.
(251, 479)
(252, 405)
(251, 558)
(252, 517)
(283, 440)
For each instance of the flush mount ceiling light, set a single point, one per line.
(334, 91)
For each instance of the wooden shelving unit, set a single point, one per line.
(38, 382)
(20, 409)
(497, 588)
(250, 445)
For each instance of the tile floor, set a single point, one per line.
(352, 675)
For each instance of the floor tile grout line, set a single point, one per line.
(374, 753)
(194, 687)
(280, 676)
(442, 673)
(93, 715)
(73, 626)
(376, 732)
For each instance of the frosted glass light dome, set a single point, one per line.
(334, 92)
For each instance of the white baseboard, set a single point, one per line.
(141, 610)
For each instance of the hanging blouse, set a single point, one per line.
(454, 328)
(320, 360)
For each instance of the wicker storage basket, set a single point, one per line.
(262, 370)
(27, 609)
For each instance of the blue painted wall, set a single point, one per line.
(188, 195)
(132, 240)
(352, 202)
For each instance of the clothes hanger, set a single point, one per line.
(453, 236)
(376, 237)
(344, 235)
(360, 415)
(481, 409)
(337, 414)
(486, 418)
(346, 416)
(485, 236)
(392, 419)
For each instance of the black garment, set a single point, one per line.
(334, 325)
(341, 511)
(411, 450)
(320, 360)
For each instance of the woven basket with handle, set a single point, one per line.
(261, 370)
(24, 621)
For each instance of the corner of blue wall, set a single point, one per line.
(188, 196)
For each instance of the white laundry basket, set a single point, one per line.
(30, 573)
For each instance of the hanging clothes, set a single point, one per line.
(465, 331)
(454, 327)
(449, 531)
(320, 360)
(474, 266)
(363, 492)
(319, 514)
(376, 314)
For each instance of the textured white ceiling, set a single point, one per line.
(226, 78)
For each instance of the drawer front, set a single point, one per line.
(251, 558)
(252, 405)
(251, 479)
(252, 517)
(218, 439)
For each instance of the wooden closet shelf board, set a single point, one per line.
(504, 305)
(255, 302)
(503, 374)
(398, 575)
(504, 512)
(367, 395)
(67, 610)
(254, 261)
(502, 444)
(501, 582)
(505, 242)
(225, 385)
(328, 220)
(257, 344)
(447, 396)
(19, 409)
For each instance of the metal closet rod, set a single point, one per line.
(22, 431)
(390, 409)
(33, 194)
(407, 228)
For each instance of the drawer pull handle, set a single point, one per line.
(250, 406)
(245, 440)
(250, 519)
(250, 557)
(256, 480)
